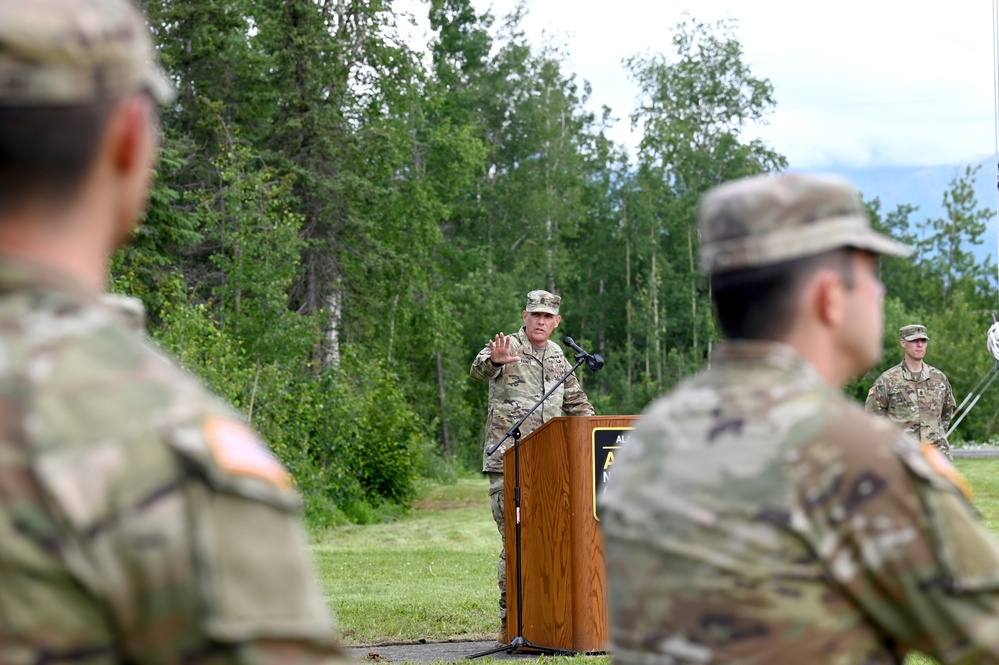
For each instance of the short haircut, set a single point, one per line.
(46, 151)
(761, 303)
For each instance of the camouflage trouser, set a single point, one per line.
(496, 499)
(944, 447)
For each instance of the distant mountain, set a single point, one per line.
(924, 187)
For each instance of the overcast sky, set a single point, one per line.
(857, 82)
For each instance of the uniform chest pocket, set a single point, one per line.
(903, 398)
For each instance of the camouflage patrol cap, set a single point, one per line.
(542, 301)
(69, 52)
(913, 331)
(770, 219)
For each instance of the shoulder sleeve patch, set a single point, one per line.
(239, 451)
(943, 466)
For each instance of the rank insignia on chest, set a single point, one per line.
(921, 392)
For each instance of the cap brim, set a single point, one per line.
(795, 242)
(876, 243)
(547, 310)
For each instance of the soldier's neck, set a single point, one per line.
(915, 366)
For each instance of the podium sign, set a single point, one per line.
(562, 551)
(606, 442)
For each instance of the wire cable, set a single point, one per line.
(992, 372)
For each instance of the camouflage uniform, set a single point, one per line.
(140, 520)
(758, 516)
(513, 390)
(922, 404)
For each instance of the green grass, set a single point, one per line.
(431, 574)
(983, 474)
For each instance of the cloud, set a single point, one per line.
(856, 82)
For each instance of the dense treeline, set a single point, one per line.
(341, 219)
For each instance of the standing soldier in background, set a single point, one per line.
(520, 369)
(757, 515)
(913, 394)
(140, 520)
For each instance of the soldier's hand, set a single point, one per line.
(499, 350)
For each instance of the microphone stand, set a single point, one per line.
(519, 642)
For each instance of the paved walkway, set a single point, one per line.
(973, 453)
(433, 652)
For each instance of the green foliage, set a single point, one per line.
(341, 221)
(946, 288)
(945, 256)
(146, 268)
(374, 432)
(693, 110)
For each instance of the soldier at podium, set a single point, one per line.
(520, 369)
(757, 514)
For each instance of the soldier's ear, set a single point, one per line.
(828, 296)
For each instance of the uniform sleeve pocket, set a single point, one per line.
(968, 553)
(255, 573)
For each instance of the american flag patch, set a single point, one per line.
(239, 451)
(943, 466)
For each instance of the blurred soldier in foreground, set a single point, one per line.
(140, 520)
(520, 369)
(758, 516)
(913, 394)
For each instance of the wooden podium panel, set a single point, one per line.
(562, 550)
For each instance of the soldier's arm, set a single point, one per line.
(574, 400)
(949, 406)
(197, 552)
(482, 367)
(899, 539)
(877, 398)
(256, 574)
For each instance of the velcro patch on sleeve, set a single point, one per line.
(239, 451)
(943, 466)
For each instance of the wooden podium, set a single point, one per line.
(564, 585)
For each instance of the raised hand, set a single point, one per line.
(499, 350)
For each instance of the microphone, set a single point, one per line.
(595, 362)
(571, 343)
